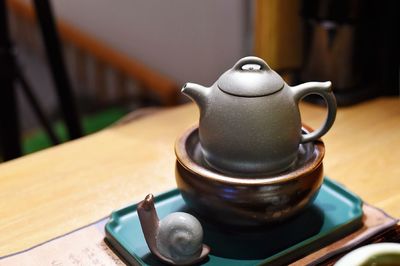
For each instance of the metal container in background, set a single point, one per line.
(354, 44)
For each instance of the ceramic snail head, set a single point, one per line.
(250, 121)
(177, 239)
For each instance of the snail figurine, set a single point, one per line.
(177, 239)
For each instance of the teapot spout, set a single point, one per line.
(199, 94)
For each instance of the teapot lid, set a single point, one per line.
(250, 77)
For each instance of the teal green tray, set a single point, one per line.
(335, 213)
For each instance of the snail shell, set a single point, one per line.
(180, 237)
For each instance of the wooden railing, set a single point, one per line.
(125, 69)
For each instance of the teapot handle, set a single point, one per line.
(322, 89)
(250, 60)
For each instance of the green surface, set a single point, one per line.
(334, 213)
(39, 140)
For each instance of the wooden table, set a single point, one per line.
(57, 190)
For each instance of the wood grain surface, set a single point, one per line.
(49, 193)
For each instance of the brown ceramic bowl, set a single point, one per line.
(241, 200)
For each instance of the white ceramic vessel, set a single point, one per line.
(381, 254)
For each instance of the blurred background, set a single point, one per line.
(126, 55)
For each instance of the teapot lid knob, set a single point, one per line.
(251, 63)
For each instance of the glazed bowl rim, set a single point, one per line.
(185, 160)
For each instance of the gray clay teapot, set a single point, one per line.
(250, 121)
